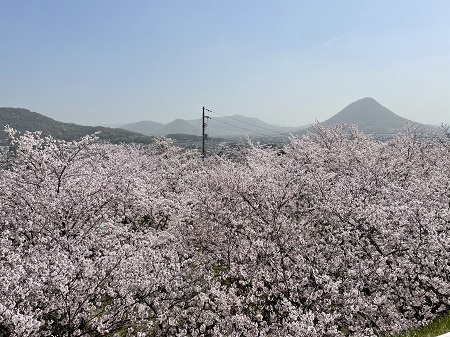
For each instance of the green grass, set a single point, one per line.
(435, 328)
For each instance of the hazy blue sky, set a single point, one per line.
(285, 62)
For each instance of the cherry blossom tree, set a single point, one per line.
(335, 234)
(68, 248)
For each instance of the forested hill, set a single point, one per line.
(26, 120)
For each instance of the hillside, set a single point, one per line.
(179, 126)
(144, 127)
(26, 120)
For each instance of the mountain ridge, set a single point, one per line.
(224, 126)
(369, 115)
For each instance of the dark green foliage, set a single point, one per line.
(439, 326)
(24, 120)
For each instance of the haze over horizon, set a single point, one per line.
(286, 63)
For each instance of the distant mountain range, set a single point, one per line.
(232, 126)
(367, 113)
(25, 120)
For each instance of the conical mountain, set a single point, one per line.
(178, 126)
(370, 116)
(144, 127)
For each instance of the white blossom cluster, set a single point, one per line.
(336, 234)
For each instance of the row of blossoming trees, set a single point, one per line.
(336, 234)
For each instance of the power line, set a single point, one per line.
(204, 124)
(197, 127)
(258, 126)
(239, 127)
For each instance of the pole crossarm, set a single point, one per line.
(204, 135)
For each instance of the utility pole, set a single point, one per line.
(204, 135)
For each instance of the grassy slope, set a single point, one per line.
(437, 327)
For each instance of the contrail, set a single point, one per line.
(373, 22)
(333, 40)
